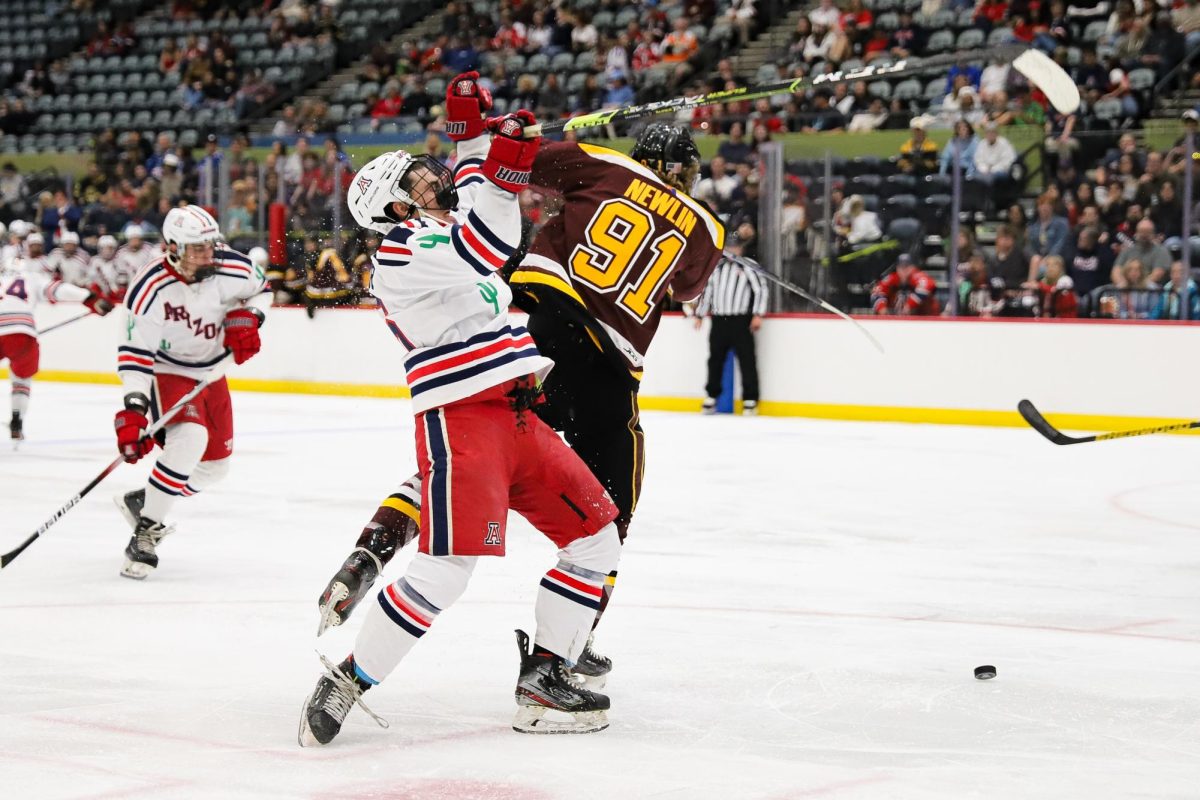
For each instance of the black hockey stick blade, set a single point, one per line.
(1039, 424)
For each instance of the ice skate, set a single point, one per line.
(750, 408)
(16, 429)
(549, 701)
(326, 708)
(130, 505)
(709, 406)
(591, 669)
(140, 556)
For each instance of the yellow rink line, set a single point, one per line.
(834, 411)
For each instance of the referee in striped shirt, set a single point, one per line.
(736, 299)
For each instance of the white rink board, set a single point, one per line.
(800, 608)
(1137, 370)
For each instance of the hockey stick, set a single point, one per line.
(64, 323)
(796, 290)
(158, 425)
(1039, 424)
(1035, 65)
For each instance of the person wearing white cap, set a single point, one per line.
(918, 155)
(136, 254)
(69, 262)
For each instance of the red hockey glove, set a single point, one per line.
(241, 333)
(510, 159)
(466, 103)
(96, 304)
(131, 424)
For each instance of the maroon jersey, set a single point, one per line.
(622, 241)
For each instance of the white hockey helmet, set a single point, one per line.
(68, 237)
(134, 232)
(184, 226)
(399, 177)
(35, 238)
(107, 243)
(259, 257)
(19, 228)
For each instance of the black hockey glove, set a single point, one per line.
(347, 588)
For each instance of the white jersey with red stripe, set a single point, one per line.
(175, 327)
(131, 261)
(439, 289)
(71, 267)
(22, 290)
(30, 264)
(107, 274)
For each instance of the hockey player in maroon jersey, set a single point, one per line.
(921, 297)
(594, 282)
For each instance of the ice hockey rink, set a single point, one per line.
(800, 610)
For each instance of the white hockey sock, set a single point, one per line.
(570, 594)
(171, 473)
(405, 610)
(205, 475)
(20, 394)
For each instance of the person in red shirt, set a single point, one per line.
(906, 290)
(389, 105)
(991, 13)
(1056, 290)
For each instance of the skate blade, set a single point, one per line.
(119, 502)
(329, 615)
(136, 570)
(304, 736)
(533, 719)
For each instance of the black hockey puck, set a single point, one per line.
(985, 672)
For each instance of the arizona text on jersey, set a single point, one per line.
(174, 327)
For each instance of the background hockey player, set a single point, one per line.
(69, 261)
(34, 257)
(596, 317)
(137, 253)
(21, 291)
(184, 310)
(480, 449)
(105, 273)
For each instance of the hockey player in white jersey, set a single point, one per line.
(34, 256)
(137, 253)
(184, 310)
(106, 276)
(70, 262)
(474, 377)
(21, 291)
(13, 242)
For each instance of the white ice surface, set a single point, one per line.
(800, 608)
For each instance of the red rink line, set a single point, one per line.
(1114, 630)
(302, 754)
(154, 783)
(1117, 502)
